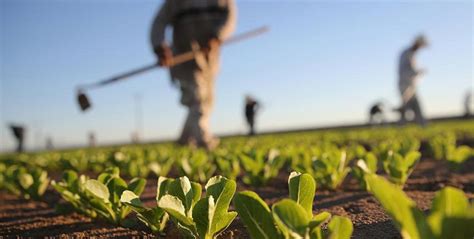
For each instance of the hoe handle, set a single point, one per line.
(178, 59)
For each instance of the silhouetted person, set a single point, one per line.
(197, 24)
(468, 104)
(92, 140)
(19, 134)
(376, 114)
(251, 107)
(409, 74)
(49, 143)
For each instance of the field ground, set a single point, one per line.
(21, 218)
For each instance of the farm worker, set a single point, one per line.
(376, 114)
(409, 74)
(251, 107)
(19, 134)
(468, 102)
(202, 24)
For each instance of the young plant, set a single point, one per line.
(302, 158)
(366, 164)
(401, 146)
(197, 166)
(457, 156)
(440, 145)
(227, 165)
(451, 215)
(102, 195)
(71, 189)
(155, 218)
(131, 161)
(331, 168)
(199, 217)
(261, 166)
(77, 161)
(3, 168)
(289, 218)
(399, 167)
(160, 165)
(26, 182)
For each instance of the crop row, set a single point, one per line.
(323, 158)
(180, 200)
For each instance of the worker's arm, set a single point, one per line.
(157, 34)
(413, 67)
(228, 25)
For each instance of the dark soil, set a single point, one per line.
(21, 218)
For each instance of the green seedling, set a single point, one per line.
(194, 216)
(26, 182)
(451, 215)
(102, 195)
(261, 166)
(399, 168)
(289, 218)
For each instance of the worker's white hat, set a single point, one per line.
(421, 40)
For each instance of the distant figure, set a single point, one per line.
(19, 134)
(202, 24)
(135, 137)
(92, 140)
(468, 104)
(49, 143)
(409, 74)
(251, 107)
(376, 114)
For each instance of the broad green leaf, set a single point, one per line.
(130, 198)
(25, 180)
(70, 177)
(450, 214)
(185, 190)
(152, 217)
(203, 214)
(155, 218)
(450, 202)
(223, 221)
(406, 217)
(411, 159)
(42, 186)
(291, 218)
(340, 228)
(302, 188)
(137, 185)
(162, 187)
(103, 209)
(460, 154)
(196, 192)
(116, 187)
(363, 166)
(221, 190)
(371, 161)
(319, 219)
(97, 189)
(173, 206)
(255, 215)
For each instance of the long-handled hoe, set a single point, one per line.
(84, 102)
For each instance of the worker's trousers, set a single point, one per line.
(413, 105)
(197, 93)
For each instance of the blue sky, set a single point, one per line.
(322, 63)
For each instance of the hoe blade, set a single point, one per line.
(83, 101)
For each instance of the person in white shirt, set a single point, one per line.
(409, 75)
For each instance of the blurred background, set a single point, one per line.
(323, 63)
